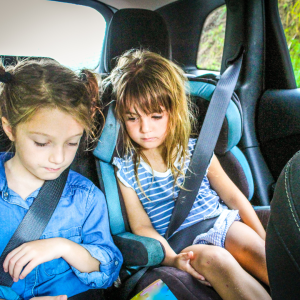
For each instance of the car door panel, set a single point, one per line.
(279, 127)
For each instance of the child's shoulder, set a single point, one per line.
(125, 163)
(192, 144)
(78, 181)
(83, 190)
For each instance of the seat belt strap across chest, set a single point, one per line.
(205, 145)
(35, 221)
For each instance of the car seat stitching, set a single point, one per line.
(285, 247)
(289, 200)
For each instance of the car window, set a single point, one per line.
(71, 34)
(289, 11)
(212, 41)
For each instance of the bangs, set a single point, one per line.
(146, 96)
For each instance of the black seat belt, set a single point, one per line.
(205, 145)
(35, 221)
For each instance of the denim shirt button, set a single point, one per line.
(116, 262)
(5, 194)
(93, 284)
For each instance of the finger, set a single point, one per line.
(19, 265)
(184, 256)
(190, 254)
(30, 266)
(15, 265)
(8, 258)
(194, 273)
(205, 282)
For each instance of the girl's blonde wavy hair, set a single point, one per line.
(146, 82)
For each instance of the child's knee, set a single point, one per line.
(213, 258)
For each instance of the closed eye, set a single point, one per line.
(157, 117)
(40, 144)
(131, 119)
(73, 144)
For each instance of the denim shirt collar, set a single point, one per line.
(12, 197)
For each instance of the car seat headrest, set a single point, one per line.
(231, 131)
(202, 92)
(109, 136)
(135, 28)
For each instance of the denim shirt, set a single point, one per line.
(80, 216)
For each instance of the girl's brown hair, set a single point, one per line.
(146, 81)
(36, 84)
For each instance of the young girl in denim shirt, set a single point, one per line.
(45, 110)
(156, 121)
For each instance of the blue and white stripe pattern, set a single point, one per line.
(161, 193)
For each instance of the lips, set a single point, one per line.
(52, 170)
(148, 139)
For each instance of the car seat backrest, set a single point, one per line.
(230, 156)
(135, 28)
(128, 29)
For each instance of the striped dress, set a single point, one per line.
(159, 194)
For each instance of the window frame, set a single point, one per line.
(279, 75)
(107, 14)
(203, 70)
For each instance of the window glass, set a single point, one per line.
(71, 34)
(212, 40)
(289, 11)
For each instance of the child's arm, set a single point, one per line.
(97, 249)
(37, 252)
(140, 224)
(233, 197)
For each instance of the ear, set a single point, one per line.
(7, 129)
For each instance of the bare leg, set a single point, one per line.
(248, 248)
(225, 274)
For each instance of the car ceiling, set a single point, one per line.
(145, 4)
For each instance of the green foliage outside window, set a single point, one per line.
(289, 11)
(212, 41)
(213, 34)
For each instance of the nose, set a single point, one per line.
(145, 125)
(57, 155)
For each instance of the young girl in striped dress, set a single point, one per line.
(156, 122)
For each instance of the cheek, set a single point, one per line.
(70, 151)
(130, 128)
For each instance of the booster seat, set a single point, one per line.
(141, 251)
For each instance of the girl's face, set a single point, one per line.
(45, 145)
(149, 131)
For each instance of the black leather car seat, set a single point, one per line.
(283, 234)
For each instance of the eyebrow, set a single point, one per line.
(44, 134)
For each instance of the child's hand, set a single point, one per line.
(62, 297)
(31, 255)
(182, 262)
